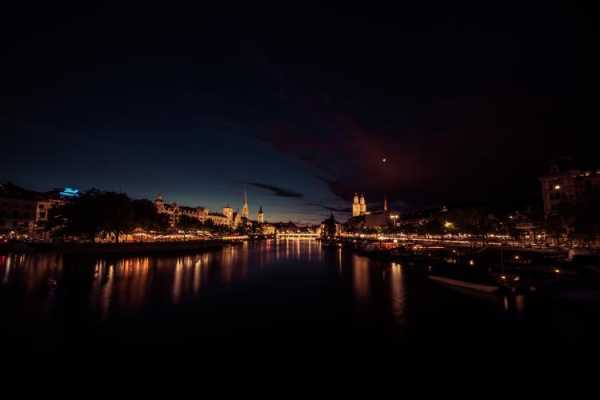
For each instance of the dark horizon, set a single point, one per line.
(298, 106)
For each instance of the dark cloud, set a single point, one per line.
(276, 190)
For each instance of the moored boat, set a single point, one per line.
(464, 284)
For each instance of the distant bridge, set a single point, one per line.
(285, 235)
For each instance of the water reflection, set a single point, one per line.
(514, 304)
(5, 263)
(116, 286)
(360, 275)
(102, 286)
(398, 294)
(234, 264)
(30, 273)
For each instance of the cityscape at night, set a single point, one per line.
(203, 181)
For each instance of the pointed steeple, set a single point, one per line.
(245, 208)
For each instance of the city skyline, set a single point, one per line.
(248, 183)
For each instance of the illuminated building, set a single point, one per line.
(174, 211)
(359, 205)
(218, 219)
(228, 217)
(268, 229)
(355, 206)
(228, 212)
(245, 209)
(260, 216)
(371, 219)
(363, 205)
(565, 186)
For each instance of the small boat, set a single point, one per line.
(464, 284)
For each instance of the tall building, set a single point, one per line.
(245, 209)
(363, 205)
(567, 186)
(355, 206)
(359, 205)
(260, 216)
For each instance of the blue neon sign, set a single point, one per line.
(70, 192)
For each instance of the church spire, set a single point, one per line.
(245, 208)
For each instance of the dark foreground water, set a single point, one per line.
(271, 297)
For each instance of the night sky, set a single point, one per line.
(294, 103)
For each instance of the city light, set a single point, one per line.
(448, 225)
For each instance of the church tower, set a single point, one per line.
(363, 205)
(355, 206)
(245, 209)
(261, 216)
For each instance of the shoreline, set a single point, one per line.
(129, 248)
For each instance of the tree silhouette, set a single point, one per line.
(146, 216)
(111, 213)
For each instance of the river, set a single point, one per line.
(287, 294)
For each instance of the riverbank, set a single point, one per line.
(115, 248)
(510, 269)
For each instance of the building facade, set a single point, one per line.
(568, 187)
(260, 217)
(218, 219)
(228, 217)
(17, 213)
(25, 210)
(174, 211)
(359, 205)
(362, 218)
